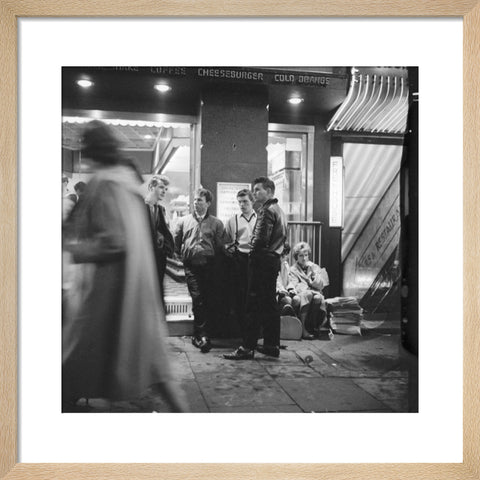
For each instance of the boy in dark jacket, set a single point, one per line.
(198, 238)
(264, 265)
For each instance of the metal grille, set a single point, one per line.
(178, 306)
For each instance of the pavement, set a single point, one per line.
(346, 374)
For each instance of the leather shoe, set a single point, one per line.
(240, 354)
(203, 343)
(269, 350)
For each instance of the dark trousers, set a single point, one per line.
(239, 276)
(200, 286)
(161, 261)
(262, 307)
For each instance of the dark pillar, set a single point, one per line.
(409, 244)
(331, 237)
(234, 136)
(234, 149)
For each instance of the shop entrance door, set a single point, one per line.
(290, 166)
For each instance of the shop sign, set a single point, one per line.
(336, 192)
(302, 79)
(383, 241)
(241, 74)
(227, 204)
(229, 74)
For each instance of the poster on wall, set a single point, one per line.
(227, 204)
(336, 192)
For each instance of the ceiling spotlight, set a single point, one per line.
(295, 100)
(84, 83)
(147, 137)
(161, 87)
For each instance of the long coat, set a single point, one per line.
(312, 279)
(114, 324)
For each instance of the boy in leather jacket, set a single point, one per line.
(267, 245)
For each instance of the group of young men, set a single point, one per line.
(254, 241)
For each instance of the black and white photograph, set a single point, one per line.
(239, 239)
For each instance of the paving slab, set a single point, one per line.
(291, 371)
(287, 357)
(131, 407)
(180, 365)
(209, 364)
(395, 374)
(230, 388)
(326, 366)
(390, 391)
(100, 405)
(346, 374)
(371, 353)
(330, 395)
(195, 399)
(157, 403)
(259, 409)
(211, 359)
(177, 341)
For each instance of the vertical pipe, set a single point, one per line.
(409, 245)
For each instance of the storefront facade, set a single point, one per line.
(312, 130)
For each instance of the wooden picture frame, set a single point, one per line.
(10, 11)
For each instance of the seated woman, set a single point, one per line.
(287, 301)
(308, 281)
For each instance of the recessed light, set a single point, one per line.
(84, 83)
(161, 87)
(295, 100)
(147, 137)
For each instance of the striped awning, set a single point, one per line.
(133, 134)
(375, 103)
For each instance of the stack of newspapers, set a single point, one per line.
(346, 315)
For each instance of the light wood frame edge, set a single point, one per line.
(10, 11)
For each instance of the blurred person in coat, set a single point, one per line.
(79, 190)
(114, 328)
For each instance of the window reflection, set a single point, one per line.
(286, 167)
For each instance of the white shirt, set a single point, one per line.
(240, 228)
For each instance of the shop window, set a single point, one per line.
(172, 157)
(157, 147)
